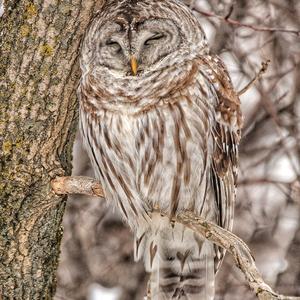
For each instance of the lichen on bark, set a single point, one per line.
(39, 42)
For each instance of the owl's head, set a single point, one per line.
(132, 37)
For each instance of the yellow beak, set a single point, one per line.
(134, 65)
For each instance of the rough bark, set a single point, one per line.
(39, 43)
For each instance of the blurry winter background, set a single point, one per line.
(97, 261)
(1, 7)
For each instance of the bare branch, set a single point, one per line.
(212, 232)
(263, 70)
(229, 12)
(239, 24)
(77, 185)
(237, 248)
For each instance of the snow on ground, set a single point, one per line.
(1, 7)
(98, 292)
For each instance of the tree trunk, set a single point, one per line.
(39, 43)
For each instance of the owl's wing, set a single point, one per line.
(226, 134)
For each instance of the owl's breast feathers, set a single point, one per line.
(169, 141)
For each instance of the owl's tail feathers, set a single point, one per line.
(184, 276)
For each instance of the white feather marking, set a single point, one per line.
(2, 9)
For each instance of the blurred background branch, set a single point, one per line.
(239, 24)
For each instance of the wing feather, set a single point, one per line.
(226, 133)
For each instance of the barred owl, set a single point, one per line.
(161, 123)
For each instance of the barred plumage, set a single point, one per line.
(162, 141)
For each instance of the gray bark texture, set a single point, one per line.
(39, 42)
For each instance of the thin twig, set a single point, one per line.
(255, 181)
(263, 70)
(229, 12)
(239, 24)
(212, 232)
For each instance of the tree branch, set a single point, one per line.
(212, 232)
(237, 248)
(239, 24)
(262, 71)
(77, 185)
